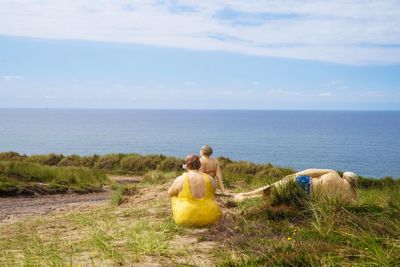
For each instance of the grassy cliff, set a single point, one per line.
(25, 178)
(286, 229)
(238, 175)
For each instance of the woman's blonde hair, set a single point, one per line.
(206, 150)
(352, 178)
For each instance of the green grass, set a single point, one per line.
(287, 229)
(121, 192)
(280, 232)
(238, 175)
(105, 236)
(28, 178)
(159, 177)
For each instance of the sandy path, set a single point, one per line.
(125, 179)
(12, 208)
(151, 203)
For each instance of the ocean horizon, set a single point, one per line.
(366, 142)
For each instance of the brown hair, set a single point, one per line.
(192, 162)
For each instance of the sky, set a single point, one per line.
(325, 55)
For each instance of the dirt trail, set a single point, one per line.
(126, 179)
(13, 208)
(150, 203)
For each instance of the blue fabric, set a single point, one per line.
(304, 181)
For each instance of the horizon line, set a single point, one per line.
(192, 109)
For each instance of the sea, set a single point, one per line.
(366, 142)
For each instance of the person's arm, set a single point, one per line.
(218, 176)
(175, 188)
(315, 172)
(213, 182)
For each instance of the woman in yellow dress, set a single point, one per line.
(193, 201)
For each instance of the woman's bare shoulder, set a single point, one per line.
(179, 179)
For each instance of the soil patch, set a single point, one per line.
(125, 179)
(12, 208)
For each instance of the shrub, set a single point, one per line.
(108, 162)
(73, 160)
(50, 159)
(27, 172)
(224, 161)
(157, 177)
(121, 192)
(89, 161)
(378, 183)
(243, 167)
(170, 164)
(140, 164)
(6, 156)
(72, 178)
(269, 175)
(394, 198)
(291, 194)
(77, 161)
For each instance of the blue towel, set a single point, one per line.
(304, 182)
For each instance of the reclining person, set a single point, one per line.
(210, 166)
(318, 182)
(193, 202)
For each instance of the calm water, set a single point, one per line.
(365, 142)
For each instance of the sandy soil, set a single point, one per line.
(126, 179)
(154, 201)
(13, 208)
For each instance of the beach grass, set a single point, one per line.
(238, 175)
(26, 178)
(135, 231)
(275, 232)
(135, 227)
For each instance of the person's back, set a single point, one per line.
(192, 193)
(196, 181)
(210, 166)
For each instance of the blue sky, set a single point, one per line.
(209, 55)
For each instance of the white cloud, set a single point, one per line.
(182, 92)
(373, 93)
(11, 78)
(335, 85)
(280, 92)
(225, 92)
(189, 83)
(249, 92)
(352, 32)
(325, 94)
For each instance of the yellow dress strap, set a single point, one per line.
(185, 193)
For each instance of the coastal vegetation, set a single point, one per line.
(238, 175)
(286, 229)
(289, 229)
(26, 178)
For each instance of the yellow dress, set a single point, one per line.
(190, 211)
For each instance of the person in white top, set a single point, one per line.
(210, 166)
